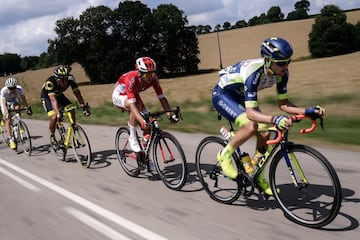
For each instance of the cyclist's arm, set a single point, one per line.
(166, 106)
(4, 107)
(79, 97)
(255, 115)
(23, 100)
(287, 106)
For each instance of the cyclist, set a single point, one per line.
(9, 96)
(53, 98)
(126, 96)
(235, 97)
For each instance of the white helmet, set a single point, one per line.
(145, 64)
(11, 82)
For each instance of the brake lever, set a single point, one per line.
(322, 123)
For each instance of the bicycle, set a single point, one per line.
(74, 136)
(20, 132)
(168, 155)
(304, 183)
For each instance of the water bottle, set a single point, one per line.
(246, 161)
(145, 140)
(226, 133)
(258, 156)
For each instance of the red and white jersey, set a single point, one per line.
(130, 85)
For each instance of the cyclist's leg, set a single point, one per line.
(50, 113)
(121, 102)
(232, 108)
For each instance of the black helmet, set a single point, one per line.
(276, 49)
(61, 72)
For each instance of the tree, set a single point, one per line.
(301, 9)
(331, 35)
(240, 24)
(106, 43)
(10, 63)
(274, 14)
(227, 25)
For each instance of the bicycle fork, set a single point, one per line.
(291, 160)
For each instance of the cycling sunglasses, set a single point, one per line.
(282, 63)
(11, 88)
(149, 75)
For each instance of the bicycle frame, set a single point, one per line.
(155, 130)
(280, 140)
(66, 138)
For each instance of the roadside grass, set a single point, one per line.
(199, 117)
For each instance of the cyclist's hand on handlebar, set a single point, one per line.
(315, 112)
(28, 110)
(144, 125)
(282, 122)
(86, 109)
(174, 118)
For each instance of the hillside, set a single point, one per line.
(318, 78)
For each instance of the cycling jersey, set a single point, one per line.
(51, 87)
(239, 84)
(129, 86)
(11, 97)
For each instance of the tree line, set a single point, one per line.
(106, 42)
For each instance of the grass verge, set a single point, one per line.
(337, 129)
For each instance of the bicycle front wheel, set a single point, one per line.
(313, 198)
(127, 158)
(170, 161)
(24, 137)
(81, 146)
(217, 185)
(57, 143)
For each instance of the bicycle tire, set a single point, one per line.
(4, 135)
(315, 204)
(24, 137)
(81, 146)
(170, 161)
(125, 155)
(58, 146)
(218, 186)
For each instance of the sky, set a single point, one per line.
(26, 25)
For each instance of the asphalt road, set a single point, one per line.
(44, 198)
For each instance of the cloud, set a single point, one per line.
(26, 26)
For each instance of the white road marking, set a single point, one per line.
(133, 227)
(95, 224)
(19, 180)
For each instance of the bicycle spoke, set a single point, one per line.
(127, 158)
(315, 199)
(81, 147)
(170, 161)
(218, 186)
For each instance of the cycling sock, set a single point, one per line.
(132, 130)
(227, 151)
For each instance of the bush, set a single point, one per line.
(331, 35)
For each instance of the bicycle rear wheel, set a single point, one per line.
(218, 186)
(317, 200)
(170, 160)
(24, 137)
(81, 146)
(127, 158)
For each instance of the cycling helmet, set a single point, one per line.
(11, 82)
(276, 49)
(61, 72)
(145, 64)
